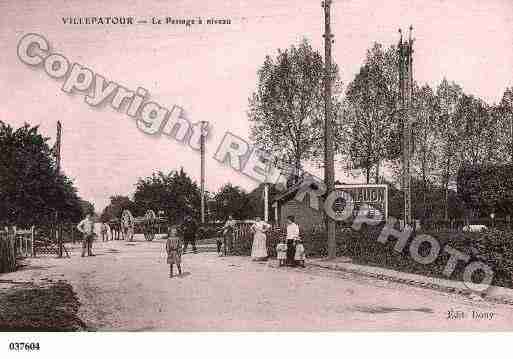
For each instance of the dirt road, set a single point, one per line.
(126, 287)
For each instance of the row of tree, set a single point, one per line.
(177, 195)
(452, 128)
(31, 190)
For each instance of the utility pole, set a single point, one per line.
(511, 136)
(329, 167)
(266, 202)
(57, 147)
(405, 49)
(57, 153)
(202, 150)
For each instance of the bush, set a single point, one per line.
(492, 247)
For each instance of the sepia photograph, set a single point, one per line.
(259, 167)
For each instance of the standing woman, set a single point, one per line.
(259, 248)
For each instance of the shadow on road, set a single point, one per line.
(386, 310)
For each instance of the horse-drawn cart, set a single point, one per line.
(149, 225)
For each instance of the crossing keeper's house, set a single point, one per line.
(308, 217)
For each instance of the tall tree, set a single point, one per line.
(480, 140)
(286, 110)
(31, 190)
(369, 112)
(504, 116)
(449, 133)
(425, 141)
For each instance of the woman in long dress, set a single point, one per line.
(259, 248)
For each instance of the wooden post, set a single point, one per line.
(266, 202)
(329, 165)
(32, 237)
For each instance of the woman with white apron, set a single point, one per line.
(259, 248)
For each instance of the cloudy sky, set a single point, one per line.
(210, 71)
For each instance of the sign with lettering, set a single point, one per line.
(375, 196)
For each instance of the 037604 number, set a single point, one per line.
(21, 346)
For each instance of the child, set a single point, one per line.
(174, 251)
(299, 256)
(281, 251)
(219, 242)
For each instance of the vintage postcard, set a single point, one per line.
(256, 166)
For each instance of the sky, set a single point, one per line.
(210, 70)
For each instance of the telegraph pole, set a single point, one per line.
(202, 150)
(329, 167)
(266, 202)
(57, 153)
(57, 147)
(405, 49)
(511, 136)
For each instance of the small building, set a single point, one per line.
(309, 212)
(306, 217)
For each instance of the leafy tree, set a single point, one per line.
(369, 112)
(31, 191)
(487, 188)
(449, 131)
(425, 143)
(86, 207)
(234, 201)
(116, 207)
(480, 135)
(175, 193)
(504, 117)
(287, 109)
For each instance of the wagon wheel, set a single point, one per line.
(150, 219)
(127, 225)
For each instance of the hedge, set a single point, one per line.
(493, 247)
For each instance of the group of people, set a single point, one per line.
(290, 250)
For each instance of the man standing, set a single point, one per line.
(104, 231)
(86, 227)
(292, 237)
(228, 229)
(189, 229)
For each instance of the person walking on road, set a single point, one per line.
(292, 238)
(174, 251)
(189, 230)
(104, 231)
(228, 230)
(86, 227)
(259, 248)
